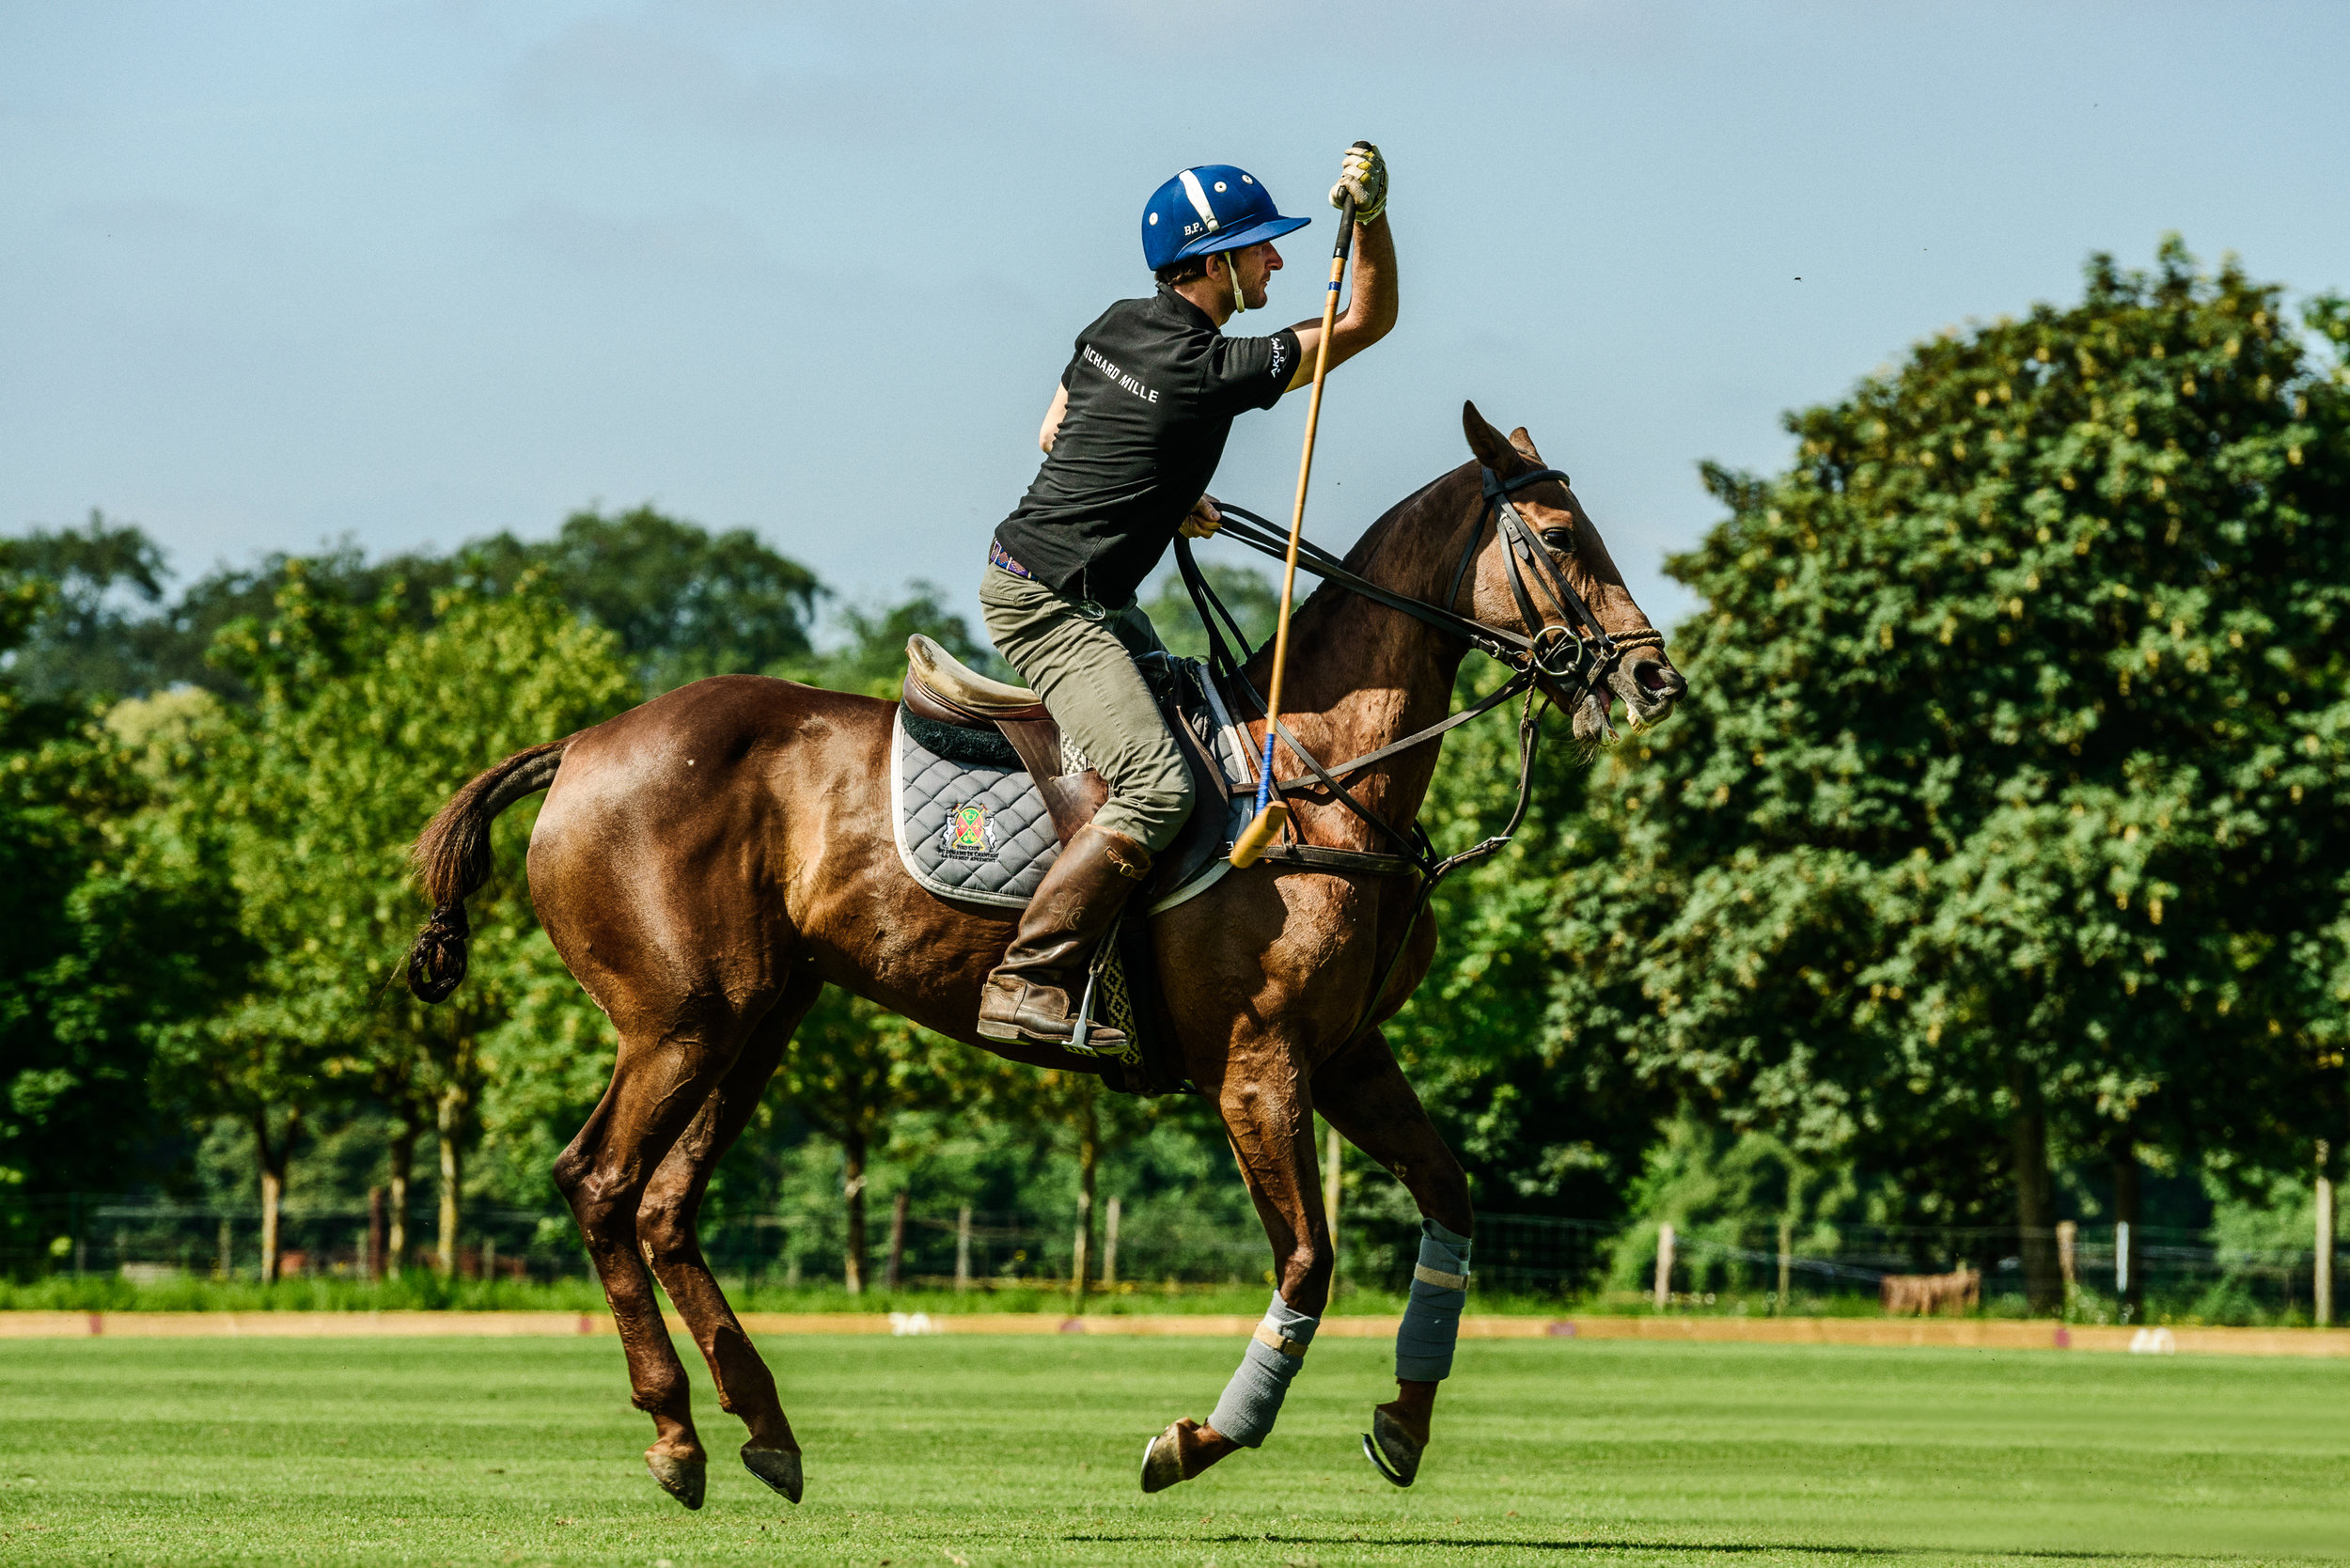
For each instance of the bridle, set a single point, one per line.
(1577, 627)
(1572, 646)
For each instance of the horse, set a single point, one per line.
(708, 862)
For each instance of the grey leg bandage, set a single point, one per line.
(1432, 1318)
(1275, 1353)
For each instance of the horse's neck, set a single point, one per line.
(1362, 675)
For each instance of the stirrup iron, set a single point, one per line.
(1094, 965)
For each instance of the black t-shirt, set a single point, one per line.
(1153, 390)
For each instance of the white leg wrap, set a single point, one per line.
(1432, 1318)
(1275, 1353)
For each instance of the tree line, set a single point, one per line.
(1996, 862)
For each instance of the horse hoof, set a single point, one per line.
(1163, 1459)
(778, 1468)
(1390, 1449)
(682, 1479)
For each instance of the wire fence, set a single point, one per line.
(2183, 1273)
(2186, 1272)
(146, 1238)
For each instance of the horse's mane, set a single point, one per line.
(1399, 521)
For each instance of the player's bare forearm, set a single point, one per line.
(1053, 418)
(1370, 302)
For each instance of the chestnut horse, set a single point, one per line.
(706, 864)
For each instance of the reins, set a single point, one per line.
(1574, 647)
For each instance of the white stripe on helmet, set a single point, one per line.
(1199, 199)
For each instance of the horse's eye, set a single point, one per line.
(1559, 539)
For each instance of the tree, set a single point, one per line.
(82, 643)
(114, 940)
(852, 1070)
(2004, 794)
(1086, 1118)
(363, 725)
(1538, 1122)
(871, 659)
(682, 602)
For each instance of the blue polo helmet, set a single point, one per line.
(1211, 208)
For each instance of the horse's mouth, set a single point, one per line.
(1649, 686)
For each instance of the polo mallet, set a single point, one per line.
(1273, 814)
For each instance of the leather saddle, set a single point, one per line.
(939, 687)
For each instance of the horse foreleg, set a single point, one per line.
(660, 1083)
(1364, 1094)
(1271, 1126)
(666, 1225)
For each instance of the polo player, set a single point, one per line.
(1131, 443)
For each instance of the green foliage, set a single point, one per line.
(363, 725)
(2011, 765)
(1254, 600)
(81, 642)
(682, 602)
(1541, 1126)
(113, 938)
(872, 658)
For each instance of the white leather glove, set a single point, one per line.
(1363, 175)
(1202, 520)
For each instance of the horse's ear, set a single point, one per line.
(1525, 444)
(1492, 448)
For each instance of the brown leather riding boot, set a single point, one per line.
(1031, 995)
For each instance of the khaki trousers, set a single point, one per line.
(1080, 659)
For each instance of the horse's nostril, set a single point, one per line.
(1659, 678)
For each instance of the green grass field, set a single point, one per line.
(993, 1451)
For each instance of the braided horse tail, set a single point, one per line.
(452, 860)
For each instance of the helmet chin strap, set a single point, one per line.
(1231, 275)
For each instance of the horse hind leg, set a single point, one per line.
(667, 1222)
(660, 1082)
(1364, 1094)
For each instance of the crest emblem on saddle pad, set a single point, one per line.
(969, 833)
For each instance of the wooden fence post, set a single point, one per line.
(2068, 1259)
(1109, 1246)
(963, 1248)
(375, 1235)
(2321, 1281)
(1786, 1263)
(1664, 1265)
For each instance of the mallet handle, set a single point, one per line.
(1270, 815)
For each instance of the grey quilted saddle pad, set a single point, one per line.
(966, 830)
(981, 835)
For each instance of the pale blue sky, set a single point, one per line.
(273, 273)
